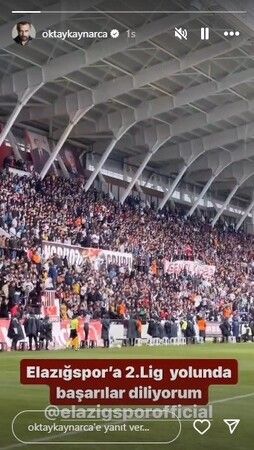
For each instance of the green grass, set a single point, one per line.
(15, 397)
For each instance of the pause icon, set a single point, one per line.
(204, 33)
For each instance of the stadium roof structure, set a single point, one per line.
(180, 106)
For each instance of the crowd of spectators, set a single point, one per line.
(57, 209)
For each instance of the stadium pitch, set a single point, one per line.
(228, 402)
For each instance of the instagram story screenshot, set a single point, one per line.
(127, 224)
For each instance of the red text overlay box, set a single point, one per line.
(125, 382)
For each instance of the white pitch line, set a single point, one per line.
(51, 438)
(223, 400)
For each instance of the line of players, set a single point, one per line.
(39, 331)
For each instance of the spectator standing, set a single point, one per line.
(32, 328)
(74, 339)
(15, 332)
(236, 329)
(202, 328)
(105, 330)
(132, 332)
(45, 332)
(225, 330)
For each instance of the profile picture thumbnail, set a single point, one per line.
(23, 32)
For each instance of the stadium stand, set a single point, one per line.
(60, 210)
(138, 146)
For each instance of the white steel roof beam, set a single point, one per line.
(61, 141)
(23, 98)
(149, 109)
(245, 215)
(125, 84)
(26, 83)
(126, 124)
(225, 204)
(160, 136)
(201, 195)
(80, 59)
(242, 173)
(193, 149)
(35, 77)
(217, 163)
(196, 147)
(198, 120)
(217, 169)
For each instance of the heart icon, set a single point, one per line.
(199, 425)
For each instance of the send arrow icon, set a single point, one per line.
(232, 424)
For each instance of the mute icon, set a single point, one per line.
(232, 424)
